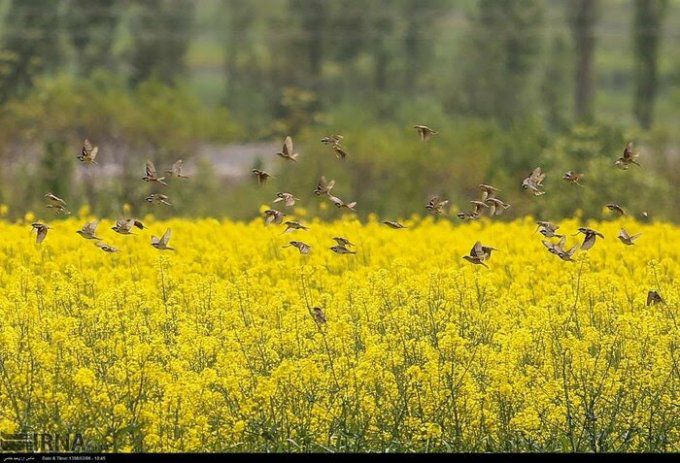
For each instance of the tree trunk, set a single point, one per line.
(583, 31)
(647, 32)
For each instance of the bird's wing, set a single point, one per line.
(166, 237)
(150, 169)
(288, 146)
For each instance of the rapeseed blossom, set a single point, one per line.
(214, 348)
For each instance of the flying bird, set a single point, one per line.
(344, 242)
(287, 151)
(176, 170)
(88, 230)
(534, 182)
(302, 247)
(124, 226)
(332, 140)
(335, 142)
(323, 187)
(654, 297)
(627, 158)
(393, 224)
(57, 204)
(488, 191)
(291, 225)
(590, 237)
(572, 177)
(41, 231)
(287, 198)
(496, 206)
(425, 132)
(151, 176)
(339, 203)
(436, 206)
(88, 153)
(158, 198)
(261, 176)
(615, 208)
(162, 242)
(273, 216)
(560, 250)
(626, 238)
(105, 247)
(341, 250)
(479, 253)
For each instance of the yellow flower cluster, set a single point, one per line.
(214, 347)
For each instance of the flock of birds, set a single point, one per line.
(487, 202)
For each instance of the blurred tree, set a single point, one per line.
(418, 54)
(312, 14)
(647, 28)
(584, 16)
(555, 85)
(91, 27)
(30, 44)
(161, 30)
(501, 51)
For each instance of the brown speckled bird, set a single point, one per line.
(425, 132)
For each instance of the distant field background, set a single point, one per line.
(220, 83)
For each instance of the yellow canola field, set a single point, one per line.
(214, 348)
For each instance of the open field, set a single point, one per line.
(214, 347)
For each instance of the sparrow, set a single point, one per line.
(332, 140)
(290, 225)
(341, 250)
(627, 158)
(287, 198)
(590, 237)
(344, 242)
(323, 187)
(496, 206)
(479, 207)
(615, 208)
(393, 224)
(287, 150)
(572, 177)
(151, 175)
(488, 191)
(318, 315)
(547, 225)
(340, 203)
(273, 216)
(467, 215)
(654, 297)
(479, 253)
(436, 206)
(41, 230)
(339, 152)
(162, 243)
(158, 198)
(88, 152)
(302, 247)
(559, 249)
(261, 176)
(105, 247)
(626, 238)
(123, 226)
(549, 232)
(176, 170)
(425, 132)
(534, 182)
(57, 204)
(88, 230)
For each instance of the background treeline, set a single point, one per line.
(509, 84)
